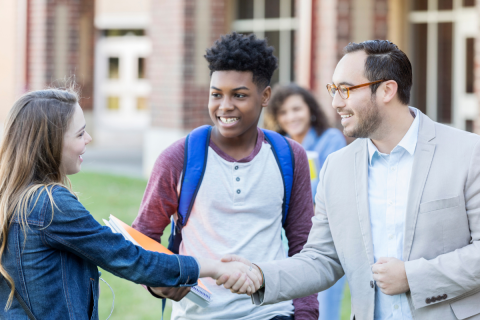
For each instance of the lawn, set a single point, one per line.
(103, 195)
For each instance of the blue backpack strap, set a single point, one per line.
(286, 163)
(194, 163)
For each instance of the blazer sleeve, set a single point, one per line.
(318, 261)
(457, 273)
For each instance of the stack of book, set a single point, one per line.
(198, 294)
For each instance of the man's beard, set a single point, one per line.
(368, 121)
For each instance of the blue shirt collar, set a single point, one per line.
(408, 142)
(309, 140)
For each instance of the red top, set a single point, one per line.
(160, 202)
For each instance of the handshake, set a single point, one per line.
(233, 272)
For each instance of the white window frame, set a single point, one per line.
(285, 24)
(465, 25)
(127, 87)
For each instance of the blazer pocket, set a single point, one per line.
(439, 204)
(467, 307)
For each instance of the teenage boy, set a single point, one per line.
(238, 207)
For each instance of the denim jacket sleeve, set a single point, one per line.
(72, 228)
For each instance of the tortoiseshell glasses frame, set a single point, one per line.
(344, 91)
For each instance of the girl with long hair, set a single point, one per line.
(294, 111)
(50, 245)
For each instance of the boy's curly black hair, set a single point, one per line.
(243, 53)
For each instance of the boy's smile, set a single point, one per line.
(229, 120)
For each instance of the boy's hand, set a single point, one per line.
(175, 294)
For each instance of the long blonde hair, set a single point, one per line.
(30, 156)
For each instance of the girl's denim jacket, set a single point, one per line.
(55, 266)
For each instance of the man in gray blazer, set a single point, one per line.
(397, 211)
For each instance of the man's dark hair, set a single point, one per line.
(243, 53)
(385, 61)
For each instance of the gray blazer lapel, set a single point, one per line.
(361, 192)
(422, 161)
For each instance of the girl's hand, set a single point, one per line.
(232, 258)
(236, 276)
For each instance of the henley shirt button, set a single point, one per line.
(444, 296)
(371, 284)
(428, 300)
(236, 167)
(238, 191)
(396, 306)
(238, 179)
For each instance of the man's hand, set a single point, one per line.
(239, 278)
(390, 276)
(175, 294)
(234, 258)
(236, 276)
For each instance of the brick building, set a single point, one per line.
(145, 57)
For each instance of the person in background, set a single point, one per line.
(295, 112)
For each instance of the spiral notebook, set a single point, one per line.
(198, 294)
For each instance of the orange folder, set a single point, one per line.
(146, 242)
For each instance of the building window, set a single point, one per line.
(272, 9)
(445, 4)
(113, 103)
(274, 20)
(123, 32)
(444, 78)
(273, 38)
(469, 125)
(141, 68)
(419, 88)
(244, 9)
(113, 68)
(469, 3)
(142, 103)
(420, 5)
(470, 64)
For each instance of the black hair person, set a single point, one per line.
(385, 61)
(241, 52)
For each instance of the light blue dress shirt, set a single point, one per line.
(388, 184)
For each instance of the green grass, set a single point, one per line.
(103, 195)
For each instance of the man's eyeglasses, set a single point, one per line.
(344, 91)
